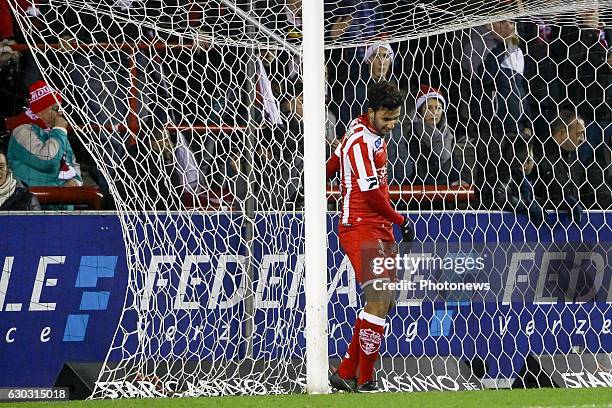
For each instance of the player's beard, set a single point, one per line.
(385, 133)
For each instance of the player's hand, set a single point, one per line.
(575, 213)
(575, 209)
(407, 230)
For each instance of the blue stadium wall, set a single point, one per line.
(64, 277)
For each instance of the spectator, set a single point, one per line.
(513, 190)
(285, 19)
(587, 78)
(39, 151)
(353, 20)
(101, 80)
(9, 79)
(541, 46)
(14, 196)
(584, 68)
(431, 141)
(556, 159)
(274, 166)
(152, 173)
(477, 45)
(503, 73)
(504, 109)
(352, 96)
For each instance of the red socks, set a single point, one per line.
(364, 349)
(371, 333)
(348, 366)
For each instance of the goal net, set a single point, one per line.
(193, 113)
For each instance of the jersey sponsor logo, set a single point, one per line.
(382, 175)
(368, 183)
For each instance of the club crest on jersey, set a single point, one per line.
(369, 340)
(378, 143)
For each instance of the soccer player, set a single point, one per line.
(366, 229)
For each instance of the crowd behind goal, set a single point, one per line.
(519, 111)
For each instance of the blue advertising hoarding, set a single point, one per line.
(64, 279)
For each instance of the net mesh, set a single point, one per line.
(193, 113)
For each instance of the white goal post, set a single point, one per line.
(315, 204)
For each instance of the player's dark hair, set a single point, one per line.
(563, 121)
(384, 94)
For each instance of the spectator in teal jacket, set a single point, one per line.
(43, 156)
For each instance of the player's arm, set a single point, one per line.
(333, 163)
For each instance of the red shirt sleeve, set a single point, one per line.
(380, 205)
(332, 166)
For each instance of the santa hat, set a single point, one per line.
(372, 49)
(42, 96)
(428, 92)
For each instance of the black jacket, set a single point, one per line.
(21, 200)
(515, 193)
(508, 100)
(585, 74)
(557, 177)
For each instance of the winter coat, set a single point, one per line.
(431, 148)
(557, 179)
(21, 200)
(515, 193)
(584, 70)
(506, 91)
(42, 158)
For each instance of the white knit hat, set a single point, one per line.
(427, 92)
(372, 49)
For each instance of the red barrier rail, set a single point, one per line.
(88, 195)
(456, 194)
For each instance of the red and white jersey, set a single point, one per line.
(363, 167)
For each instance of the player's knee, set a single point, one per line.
(377, 308)
(392, 304)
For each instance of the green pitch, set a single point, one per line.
(565, 398)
